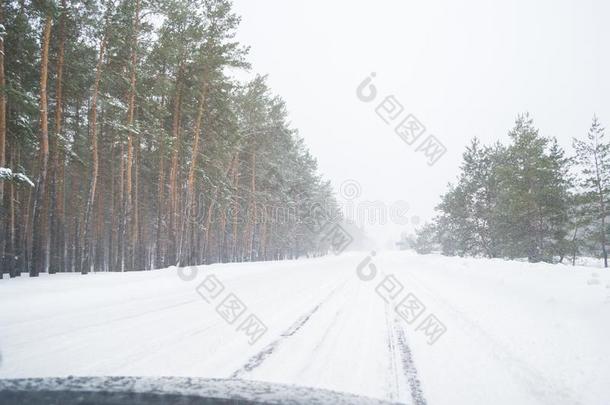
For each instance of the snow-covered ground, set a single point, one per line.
(503, 332)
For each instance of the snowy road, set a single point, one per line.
(516, 333)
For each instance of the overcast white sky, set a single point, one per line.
(463, 68)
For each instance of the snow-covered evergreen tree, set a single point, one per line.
(593, 159)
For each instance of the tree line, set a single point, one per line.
(142, 148)
(527, 199)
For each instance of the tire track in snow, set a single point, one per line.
(219, 323)
(394, 384)
(408, 365)
(401, 357)
(258, 359)
(330, 336)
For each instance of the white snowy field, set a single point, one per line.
(516, 333)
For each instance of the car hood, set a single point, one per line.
(162, 390)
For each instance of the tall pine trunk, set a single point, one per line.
(4, 223)
(235, 212)
(130, 225)
(159, 250)
(57, 196)
(190, 190)
(85, 228)
(251, 227)
(2, 107)
(40, 213)
(173, 175)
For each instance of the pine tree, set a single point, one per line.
(509, 201)
(470, 206)
(153, 155)
(593, 159)
(533, 193)
(426, 238)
